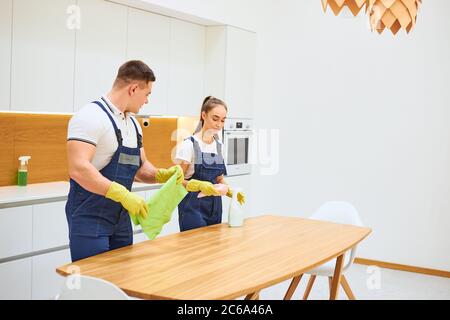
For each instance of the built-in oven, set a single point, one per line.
(237, 139)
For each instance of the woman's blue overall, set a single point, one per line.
(196, 212)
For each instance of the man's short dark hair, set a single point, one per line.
(134, 70)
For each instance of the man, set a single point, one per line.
(105, 155)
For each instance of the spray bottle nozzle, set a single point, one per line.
(24, 159)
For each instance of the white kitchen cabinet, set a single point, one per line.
(139, 237)
(50, 228)
(186, 70)
(240, 72)
(35, 231)
(15, 280)
(230, 68)
(16, 231)
(100, 49)
(215, 61)
(149, 193)
(5, 52)
(43, 51)
(148, 40)
(46, 283)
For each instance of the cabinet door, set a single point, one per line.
(42, 56)
(148, 40)
(5, 52)
(215, 55)
(100, 49)
(15, 280)
(15, 231)
(240, 72)
(50, 228)
(46, 283)
(186, 70)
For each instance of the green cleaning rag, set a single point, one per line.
(160, 208)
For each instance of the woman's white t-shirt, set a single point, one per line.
(185, 152)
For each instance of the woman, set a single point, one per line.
(200, 157)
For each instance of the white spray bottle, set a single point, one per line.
(235, 213)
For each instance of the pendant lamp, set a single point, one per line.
(392, 14)
(336, 6)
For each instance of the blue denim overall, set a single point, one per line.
(98, 224)
(196, 212)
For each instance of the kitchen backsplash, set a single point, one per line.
(43, 137)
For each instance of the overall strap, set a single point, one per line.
(219, 147)
(138, 135)
(198, 159)
(116, 130)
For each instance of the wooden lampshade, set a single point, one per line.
(393, 14)
(336, 6)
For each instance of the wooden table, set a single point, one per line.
(219, 262)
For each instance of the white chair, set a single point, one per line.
(79, 287)
(339, 212)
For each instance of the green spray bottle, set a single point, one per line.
(22, 174)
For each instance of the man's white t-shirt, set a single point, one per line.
(185, 152)
(92, 125)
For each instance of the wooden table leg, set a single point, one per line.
(336, 277)
(253, 296)
(292, 287)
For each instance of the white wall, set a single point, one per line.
(363, 118)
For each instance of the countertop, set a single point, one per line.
(15, 196)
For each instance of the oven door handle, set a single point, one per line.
(239, 133)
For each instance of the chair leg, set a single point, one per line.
(347, 289)
(294, 283)
(309, 287)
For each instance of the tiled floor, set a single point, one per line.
(372, 284)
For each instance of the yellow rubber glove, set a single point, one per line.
(134, 204)
(240, 196)
(204, 186)
(162, 175)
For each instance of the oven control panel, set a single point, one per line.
(238, 124)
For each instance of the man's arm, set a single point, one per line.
(147, 171)
(79, 155)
